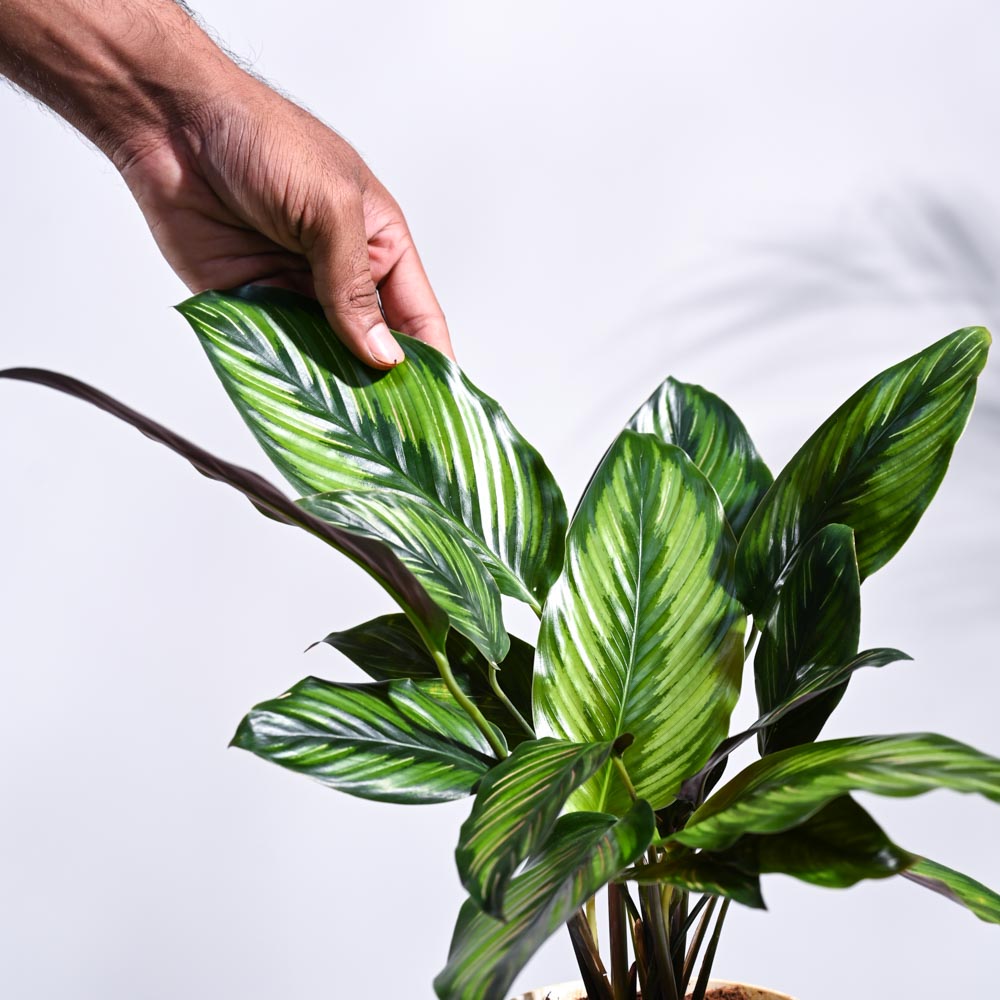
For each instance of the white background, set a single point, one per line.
(775, 200)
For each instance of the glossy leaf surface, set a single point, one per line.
(375, 558)
(959, 888)
(874, 465)
(455, 580)
(786, 788)
(815, 626)
(420, 431)
(391, 741)
(515, 811)
(585, 852)
(390, 648)
(642, 633)
(714, 438)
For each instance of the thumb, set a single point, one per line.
(343, 280)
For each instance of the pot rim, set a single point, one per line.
(572, 990)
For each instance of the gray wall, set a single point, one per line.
(773, 199)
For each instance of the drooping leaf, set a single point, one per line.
(423, 430)
(714, 438)
(515, 811)
(456, 581)
(786, 788)
(642, 633)
(815, 682)
(585, 852)
(704, 873)
(389, 648)
(959, 888)
(814, 627)
(375, 558)
(391, 741)
(874, 465)
(836, 847)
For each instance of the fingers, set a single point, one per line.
(409, 302)
(345, 289)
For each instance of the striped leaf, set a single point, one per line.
(392, 741)
(389, 648)
(585, 852)
(374, 557)
(815, 626)
(786, 788)
(642, 633)
(421, 430)
(809, 685)
(714, 438)
(959, 888)
(455, 580)
(874, 466)
(713, 874)
(515, 811)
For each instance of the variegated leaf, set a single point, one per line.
(642, 633)
(421, 430)
(786, 788)
(585, 852)
(515, 811)
(714, 438)
(455, 580)
(874, 465)
(392, 741)
(974, 896)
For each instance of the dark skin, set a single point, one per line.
(237, 184)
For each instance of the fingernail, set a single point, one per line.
(382, 346)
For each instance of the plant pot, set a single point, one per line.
(718, 989)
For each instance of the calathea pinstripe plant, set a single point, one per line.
(594, 760)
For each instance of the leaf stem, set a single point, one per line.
(444, 668)
(623, 774)
(699, 937)
(657, 927)
(706, 967)
(751, 639)
(617, 936)
(507, 703)
(595, 978)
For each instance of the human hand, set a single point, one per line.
(238, 184)
(254, 189)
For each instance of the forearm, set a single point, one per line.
(124, 72)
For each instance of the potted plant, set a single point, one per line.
(595, 755)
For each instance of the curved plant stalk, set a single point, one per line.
(441, 658)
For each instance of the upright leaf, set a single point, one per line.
(389, 648)
(974, 896)
(421, 430)
(585, 852)
(516, 809)
(714, 438)
(786, 788)
(642, 633)
(375, 558)
(392, 741)
(456, 581)
(815, 626)
(874, 465)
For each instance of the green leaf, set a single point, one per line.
(642, 633)
(392, 741)
(786, 788)
(515, 811)
(585, 852)
(389, 648)
(815, 682)
(959, 888)
(456, 581)
(837, 847)
(375, 558)
(714, 438)
(702, 872)
(422, 430)
(874, 465)
(815, 626)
